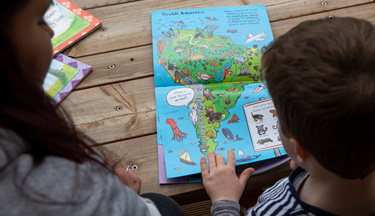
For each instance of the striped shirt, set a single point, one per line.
(280, 199)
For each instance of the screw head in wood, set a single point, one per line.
(119, 108)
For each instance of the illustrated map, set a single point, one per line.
(210, 96)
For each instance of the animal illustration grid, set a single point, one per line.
(262, 121)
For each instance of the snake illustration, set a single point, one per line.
(191, 38)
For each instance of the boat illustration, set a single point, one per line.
(185, 157)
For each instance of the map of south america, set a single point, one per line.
(216, 68)
(208, 86)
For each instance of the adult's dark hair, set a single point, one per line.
(26, 110)
(321, 76)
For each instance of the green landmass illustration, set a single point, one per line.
(64, 77)
(76, 26)
(216, 68)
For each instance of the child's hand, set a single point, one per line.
(126, 175)
(221, 182)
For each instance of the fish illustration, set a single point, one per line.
(256, 38)
(181, 118)
(247, 158)
(221, 149)
(170, 151)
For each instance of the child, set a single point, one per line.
(321, 76)
(46, 167)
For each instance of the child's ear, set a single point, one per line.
(301, 153)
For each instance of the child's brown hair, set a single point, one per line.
(321, 76)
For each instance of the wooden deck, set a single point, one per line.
(124, 44)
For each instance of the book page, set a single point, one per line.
(207, 66)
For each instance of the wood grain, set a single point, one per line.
(137, 62)
(129, 25)
(96, 110)
(87, 4)
(129, 64)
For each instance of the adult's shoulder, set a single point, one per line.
(11, 146)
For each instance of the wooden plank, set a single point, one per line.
(97, 111)
(365, 12)
(129, 25)
(89, 4)
(137, 62)
(142, 152)
(129, 64)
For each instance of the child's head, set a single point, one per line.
(321, 76)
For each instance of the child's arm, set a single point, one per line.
(221, 182)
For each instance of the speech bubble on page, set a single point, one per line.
(180, 96)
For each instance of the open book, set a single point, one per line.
(208, 86)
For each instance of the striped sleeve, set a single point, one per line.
(225, 207)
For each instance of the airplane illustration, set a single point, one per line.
(256, 38)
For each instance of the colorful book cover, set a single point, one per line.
(63, 76)
(69, 23)
(207, 79)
